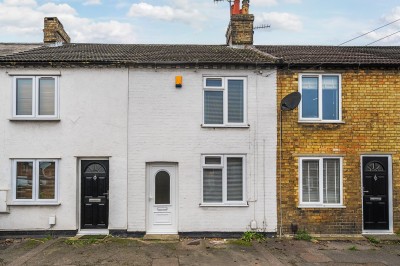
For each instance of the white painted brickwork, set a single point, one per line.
(165, 126)
(93, 113)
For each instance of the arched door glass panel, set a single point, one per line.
(162, 188)
(95, 168)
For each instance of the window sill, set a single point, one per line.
(324, 206)
(16, 119)
(25, 203)
(224, 205)
(225, 126)
(319, 122)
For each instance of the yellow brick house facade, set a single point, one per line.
(339, 171)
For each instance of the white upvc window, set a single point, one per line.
(223, 179)
(321, 98)
(320, 182)
(35, 97)
(35, 181)
(225, 101)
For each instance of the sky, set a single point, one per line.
(311, 22)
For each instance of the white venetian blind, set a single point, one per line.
(46, 96)
(212, 185)
(331, 181)
(24, 96)
(235, 101)
(234, 179)
(310, 181)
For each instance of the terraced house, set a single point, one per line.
(186, 139)
(137, 139)
(339, 167)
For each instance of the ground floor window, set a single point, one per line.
(35, 180)
(223, 179)
(320, 181)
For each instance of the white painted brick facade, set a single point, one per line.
(93, 112)
(98, 107)
(165, 126)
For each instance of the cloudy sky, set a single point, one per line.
(327, 22)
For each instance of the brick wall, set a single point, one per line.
(370, 110)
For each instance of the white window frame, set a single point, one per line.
(224, 89)
(321, 203)
(35, 183)
(223, 166)
(320, 119)
(35, 99)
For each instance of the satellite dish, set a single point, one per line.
(290, 101)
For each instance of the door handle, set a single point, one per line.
(366, 191)
(105, 194)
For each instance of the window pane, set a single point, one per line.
(214, 82)
(162, 187)
(47, 180)
(212, 185)
(310, 180)
(309, 97)
(330, 97)
(24, 180)
(213, 107)
(24, 97)
(235, 101)
(234, 179)
(47, 96)
(331, 181)
(213, 160)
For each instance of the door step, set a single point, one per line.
(83, 232)
(163, 237)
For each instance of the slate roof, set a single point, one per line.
(11, 48)
(138, 53)
(364, 55)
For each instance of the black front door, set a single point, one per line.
(94, 192)
(375, 196)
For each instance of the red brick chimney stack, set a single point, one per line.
(240, 29)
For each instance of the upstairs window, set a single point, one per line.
(35, 97)
(321, 98)
(224, 101)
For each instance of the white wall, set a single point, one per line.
(93, 112)
(165, 126)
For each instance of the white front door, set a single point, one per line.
(162, 199)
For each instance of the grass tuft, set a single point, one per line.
(373, 240)
(302, 235)
(251, 235)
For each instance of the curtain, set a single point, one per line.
(235, 101)
(212, 185)
(213, 107)
(310, 181)
(46, 96)
(234, 179)
(24, 96)
(331, 181)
